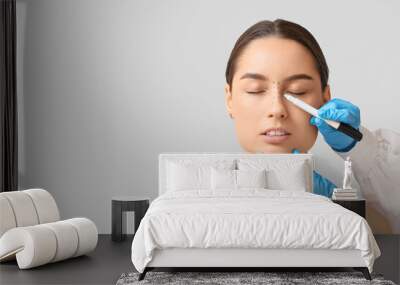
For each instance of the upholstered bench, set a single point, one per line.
(31, 231)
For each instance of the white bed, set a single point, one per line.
(250, 227)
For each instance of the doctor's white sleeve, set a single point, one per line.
(376, 166)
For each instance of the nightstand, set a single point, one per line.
(357, 206)
(121, 204)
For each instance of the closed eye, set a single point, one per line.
(262, 91)
(296, 93)
(255, 92)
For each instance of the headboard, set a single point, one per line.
(163, 158)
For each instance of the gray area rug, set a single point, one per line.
(225, 278)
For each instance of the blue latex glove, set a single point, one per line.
(341, 111)
(321, 185)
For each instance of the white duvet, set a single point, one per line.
(250, 218)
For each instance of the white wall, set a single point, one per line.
(105, 86)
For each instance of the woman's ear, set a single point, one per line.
(228, 100)
(326, 96)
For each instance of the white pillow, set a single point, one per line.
(288, 179)
(223, 178)
(251, 178)
(183, 177)
(188, 174)
(281, 174)
(237, 179)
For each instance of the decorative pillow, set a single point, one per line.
(223, 178)
(251, 178)
(294, 178)
(237, 179)
(281, 174)
(183, 177)
(185, 174)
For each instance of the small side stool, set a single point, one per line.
(121, 204)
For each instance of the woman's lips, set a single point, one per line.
(275, 139)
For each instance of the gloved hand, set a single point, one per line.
(341, 111)
(321, 185)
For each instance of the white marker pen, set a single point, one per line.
(340, 126)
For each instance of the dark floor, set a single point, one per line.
(111, 259)
(103, 266)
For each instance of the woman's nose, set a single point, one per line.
(277, 108)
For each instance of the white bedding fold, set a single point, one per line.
(250, 218)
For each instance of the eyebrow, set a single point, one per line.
(258, 76)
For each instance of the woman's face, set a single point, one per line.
(267, 69)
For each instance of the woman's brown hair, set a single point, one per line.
(283, 29)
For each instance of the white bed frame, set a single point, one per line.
(240, 258)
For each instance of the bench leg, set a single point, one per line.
(364, 271)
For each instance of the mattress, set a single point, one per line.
(250, 218)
